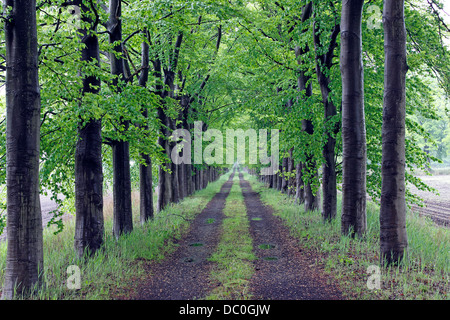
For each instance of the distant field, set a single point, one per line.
(437, 207)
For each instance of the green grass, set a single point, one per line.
(424, 274)
(113, 271)
(234, 253)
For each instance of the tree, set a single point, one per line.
(393, 237)
(123, 215)
(24, 260)
(311, 197)
(353, 121)
(324, 61)
(89, 224)
(168, 175)
(145, 169)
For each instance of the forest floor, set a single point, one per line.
(281, 270)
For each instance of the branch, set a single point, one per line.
(176, 50)
(169, 14)
(130, 36)
(431, 3)
(264, 52)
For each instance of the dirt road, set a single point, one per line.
(183, 275)
(282, 270)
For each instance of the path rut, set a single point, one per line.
(282, 270)
(183, 275)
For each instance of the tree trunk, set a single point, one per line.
(291, 180)
(168, 184)
(280, 177)
(274, 181)
(24, 260)
(284, 180)
(145, 170)
(123, 215)
(393, 237)
(353, 123)
(299, 191)
(311, 199)
(324, 63)
(123, 218)
(89, 224)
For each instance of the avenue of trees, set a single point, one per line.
(94, 89)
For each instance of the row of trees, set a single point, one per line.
(131, 110)
(365, 156)
(353, 130)
(116, 79)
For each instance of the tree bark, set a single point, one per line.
(311, 199)
(168, 185)
(353, 123)
(145, 170)
(24, 259)
(299, 191)
(324, 63)
(290, 169)
(393, 237)
(284, 180)
(89, 224)
(123, 215)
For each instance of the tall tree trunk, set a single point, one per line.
(275, 181)
(311, 199)
(123, 215)
(324, 63)
(353, 123)
(145, 170)
(89, 224)
(299, 191)
(284, 180)
(164, 175)
(24, 259)
(393, 237)
(189, 168)
(280, 177)
(164, 193)
(291, 180)
(168, 185)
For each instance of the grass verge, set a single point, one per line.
(234, 252)
(423, 275)
(112, 271)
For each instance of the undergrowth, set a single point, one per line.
(424, 274)
(111, 271)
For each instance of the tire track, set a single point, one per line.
(282, 272)
(183, 274)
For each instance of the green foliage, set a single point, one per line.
(248, 79)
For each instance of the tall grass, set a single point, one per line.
(424, 274)
(112, 271)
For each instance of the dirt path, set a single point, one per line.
(183, 275)
(282, 271)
